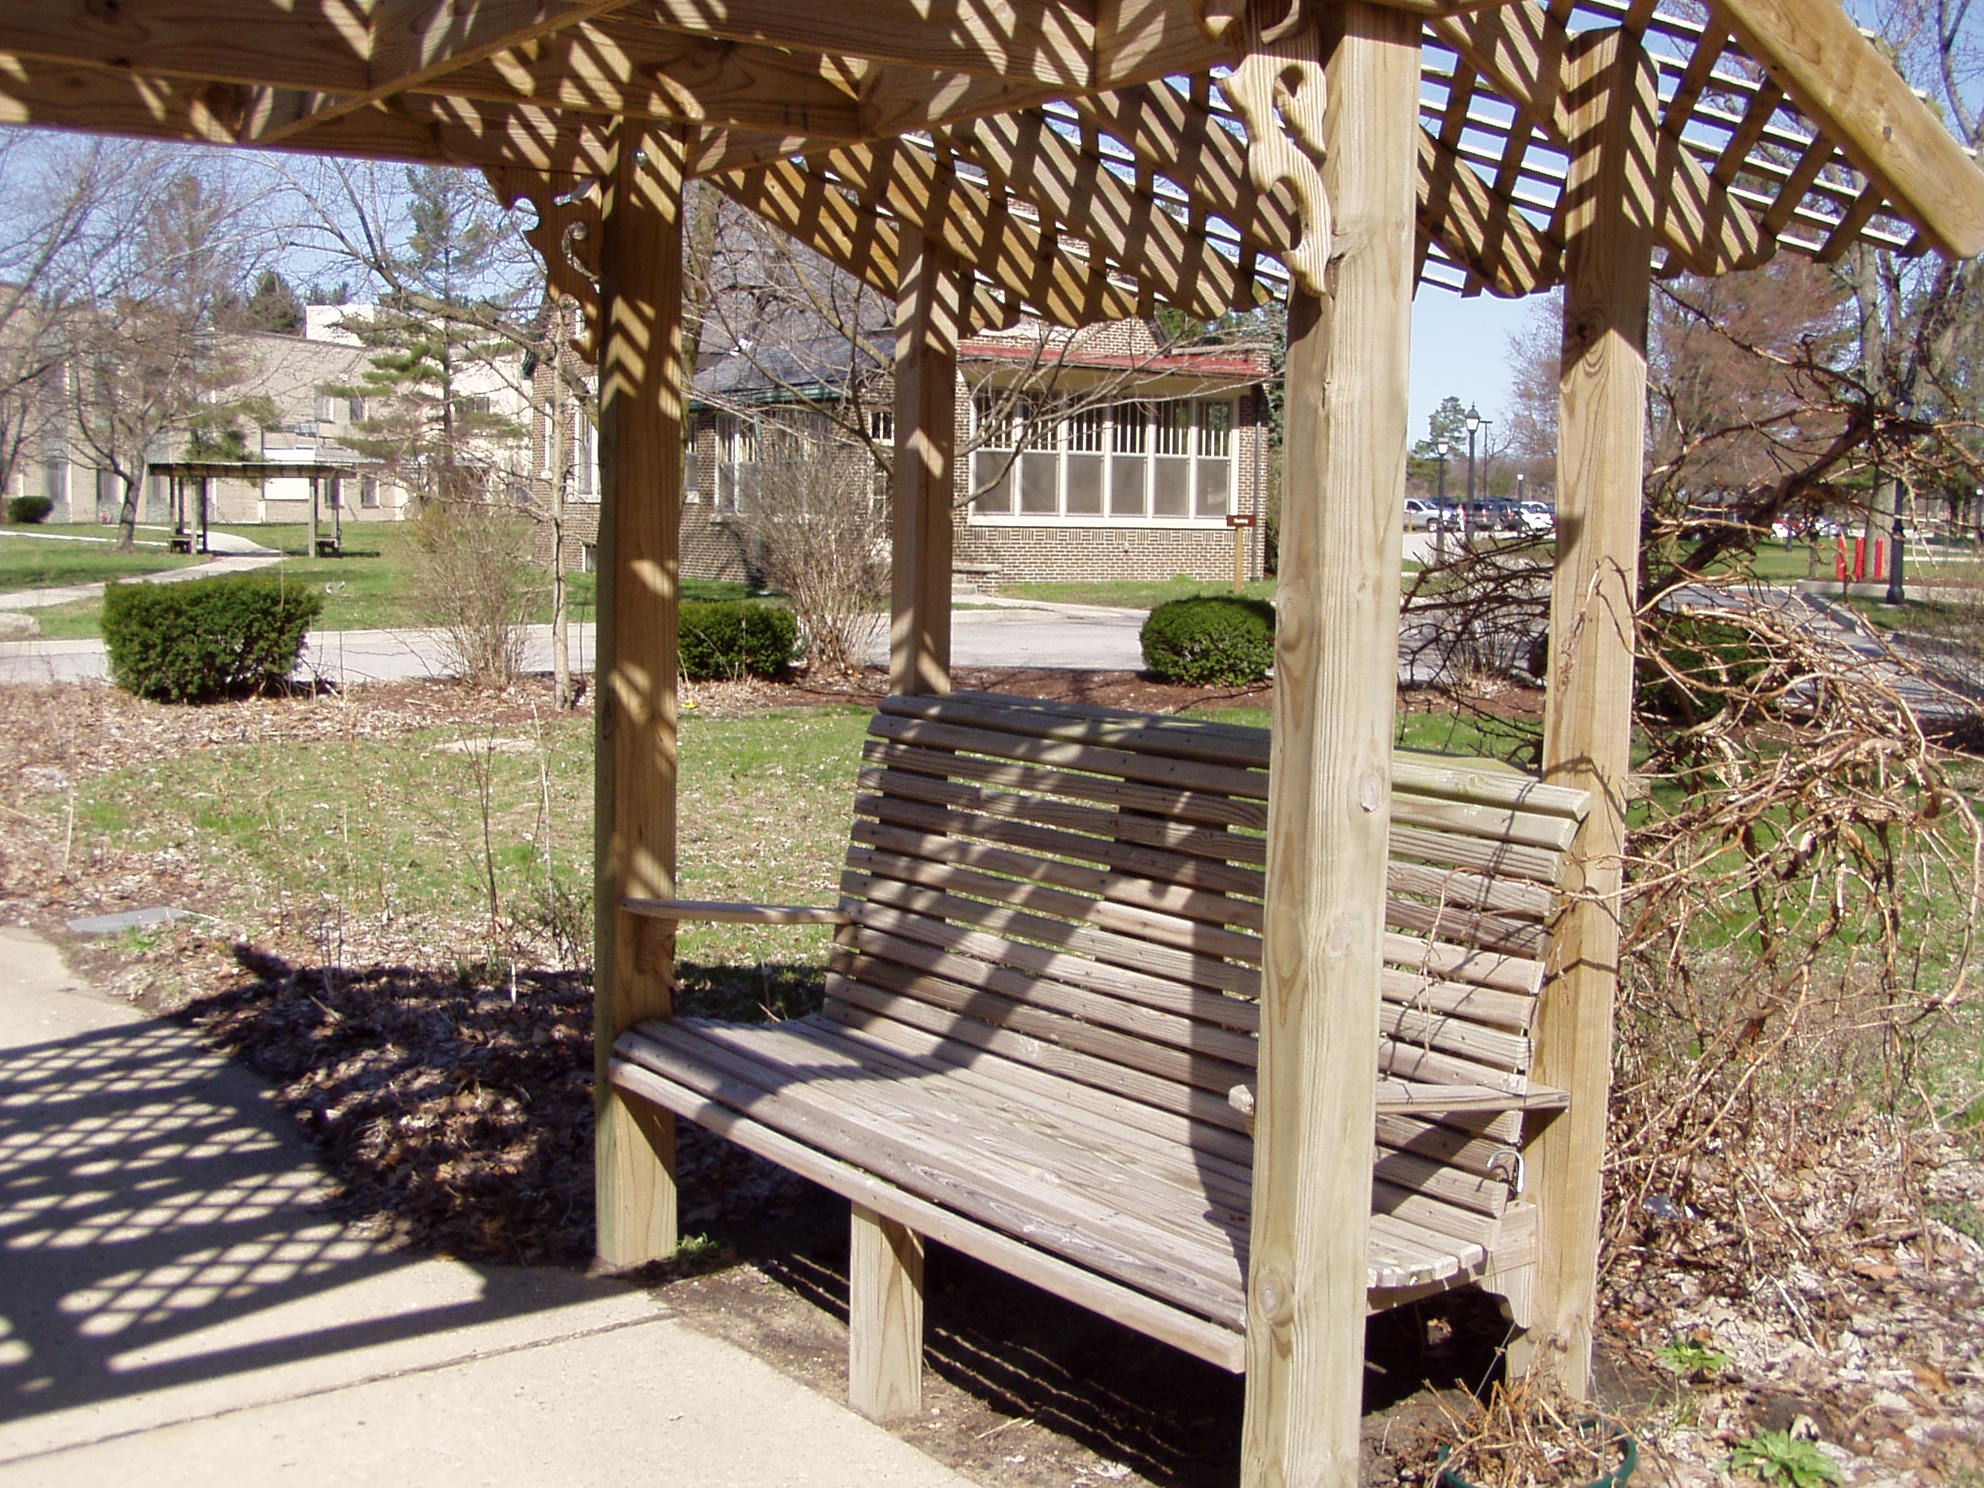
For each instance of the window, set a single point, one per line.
(354, 410)
(882, 425)
(1128, 461)
(737, 468)
(324, 413)
(588, 557)
(368, 491)
(481, 403)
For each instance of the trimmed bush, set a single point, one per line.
(25, 511)
(723, 640)
(1210, 640)
(205, 639)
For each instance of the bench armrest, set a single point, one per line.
(711, 911)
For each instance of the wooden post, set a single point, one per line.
(314, 494)
(884, 1318)
(1588, 719)
(641, 401)
(1329, 809)
(929, 308)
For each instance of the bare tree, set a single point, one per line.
(141, 354)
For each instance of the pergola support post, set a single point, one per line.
(642, 387)
(929, 313)
(1329, 808)
(1588, 719)
(885, 1259)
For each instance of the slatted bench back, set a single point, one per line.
(1080, 890)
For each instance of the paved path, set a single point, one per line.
(176, 1309)
(1066, 636)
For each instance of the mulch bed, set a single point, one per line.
(453, 1108)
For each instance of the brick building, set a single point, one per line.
(1092, 454)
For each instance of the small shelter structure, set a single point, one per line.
(1080, 160)
(188, 488)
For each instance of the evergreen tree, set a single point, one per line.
(273, 306)
(1448, 422)
(430, 329)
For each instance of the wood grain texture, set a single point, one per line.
(1328, 811)
(722, 912)
(1206, 1340)
(1815, 53)
(1587, 722)
(642, 397)
(884, 1317)
(930, 290)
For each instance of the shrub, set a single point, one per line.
(205, 639)
(474, 582)
(1210, 639)
(727, 639)
(24, 511)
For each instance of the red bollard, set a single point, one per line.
(1839, 560)
(1859, 559)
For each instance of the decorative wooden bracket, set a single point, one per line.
(567, 239)
(1279, 91)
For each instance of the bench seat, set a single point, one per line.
(1037, 1044)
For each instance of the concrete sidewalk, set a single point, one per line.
(177, 1309)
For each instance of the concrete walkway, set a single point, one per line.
(176, 1308)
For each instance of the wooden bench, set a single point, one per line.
(1038, 1038)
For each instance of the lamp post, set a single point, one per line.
(1441, 450)
(1475, 423)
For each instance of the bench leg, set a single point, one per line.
(885, 1318)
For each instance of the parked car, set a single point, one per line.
(1422, 513)
(1536, 516)
(1491, 514)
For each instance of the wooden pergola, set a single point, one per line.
(1078, 160)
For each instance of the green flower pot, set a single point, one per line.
(1629, 1458)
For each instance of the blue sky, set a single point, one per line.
(1461, 347)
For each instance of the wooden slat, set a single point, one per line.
(712, 911)
(1205, 1340)
(1074, 1224)
(1817, 55)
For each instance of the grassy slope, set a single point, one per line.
(34, 563)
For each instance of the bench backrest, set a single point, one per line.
(1079, 889)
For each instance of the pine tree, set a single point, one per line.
(273, 306)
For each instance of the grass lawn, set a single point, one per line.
(33, 563)
(328, 838)
(369, 588)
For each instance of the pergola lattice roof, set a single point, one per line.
(1079, 155)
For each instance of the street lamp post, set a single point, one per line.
(1441, 450)
(1475, 423)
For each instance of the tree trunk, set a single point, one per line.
(563, 692)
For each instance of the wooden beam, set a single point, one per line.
(1519, 50)
(884, 1317)
(323, 45)
(929, 311)
(416, 42)
(1329, 802)
(982, 231)
(1048, 42)
(1815, 53)
(1601, 444)
(612, 67)
(1081, 192)
(642, 398)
